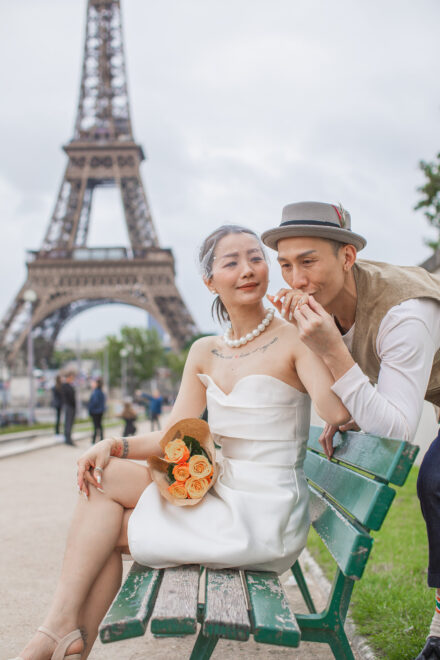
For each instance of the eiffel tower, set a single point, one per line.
(67, 276)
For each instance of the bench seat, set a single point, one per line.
(350, 495)
(228, 604)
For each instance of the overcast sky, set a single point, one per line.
(242, 106)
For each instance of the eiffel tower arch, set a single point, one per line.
(67, 276)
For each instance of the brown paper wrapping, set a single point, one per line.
(195, 428)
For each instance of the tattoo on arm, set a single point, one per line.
(119, 448)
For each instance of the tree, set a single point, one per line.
(144, 354)
(176, 361)
(431, 197)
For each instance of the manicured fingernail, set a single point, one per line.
(275, 299)
(85, 495)
(290, 316)
(98, 477)
(99, 490)
(283, 312)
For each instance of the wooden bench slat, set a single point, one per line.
(129, 613)
(348, 543)
(273, 622)
(366, 499)
(226, 613)
(175, 611)
(387, 459)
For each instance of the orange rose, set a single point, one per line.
(178, 490)
(176, 451)
(196, 488)
(181, 472)
(199, 466)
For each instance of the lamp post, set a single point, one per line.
(123, 353)
(106, 370)
(30, 297)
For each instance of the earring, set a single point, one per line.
(213, 291)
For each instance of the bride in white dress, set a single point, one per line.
(256, 382)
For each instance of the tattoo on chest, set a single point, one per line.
(263, 349)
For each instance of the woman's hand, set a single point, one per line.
(287, 300)
(91, 465)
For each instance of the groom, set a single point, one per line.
(370, 322)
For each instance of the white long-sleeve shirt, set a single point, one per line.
(407, 340)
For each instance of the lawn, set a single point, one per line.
(392, 606)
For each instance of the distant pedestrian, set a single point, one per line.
(97, 408)
(69, 403)
(129, 416)
(57, 402)
(154, 403)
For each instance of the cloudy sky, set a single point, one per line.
(241, 106)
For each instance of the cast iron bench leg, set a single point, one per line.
(302, 584)
(204, 647)
(328, 626)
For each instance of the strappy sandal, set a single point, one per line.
(63, 644)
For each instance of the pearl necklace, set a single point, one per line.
(261, 327)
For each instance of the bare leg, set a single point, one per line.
(103, 591)
(93, 536)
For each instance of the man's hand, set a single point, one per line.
(349, 426)
(317, 328)
(326, 439)
(329, 432)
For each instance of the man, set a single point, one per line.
(69, 403)
(96, 407)
(371, 323)
(154, 404)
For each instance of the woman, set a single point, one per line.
(57, 402)
(129, 416)
(254, 381)
(97, 408)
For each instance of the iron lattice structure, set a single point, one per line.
(67, 276)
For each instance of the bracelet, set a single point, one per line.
(119, 448)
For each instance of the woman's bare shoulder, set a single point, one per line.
(204, 346)
(288, 331)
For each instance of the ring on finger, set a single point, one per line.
(98, 469)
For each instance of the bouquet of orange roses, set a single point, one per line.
(188, 469)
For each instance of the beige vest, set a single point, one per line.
(379, 287)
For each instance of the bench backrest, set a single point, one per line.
(350, 494)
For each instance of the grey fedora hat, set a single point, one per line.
(314, 219)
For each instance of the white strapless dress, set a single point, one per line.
(256, 515)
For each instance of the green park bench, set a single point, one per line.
(350, 496)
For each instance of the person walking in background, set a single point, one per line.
(57, 402)
(154, 402)
(129, 416)
(96, 408)
(69, 403)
